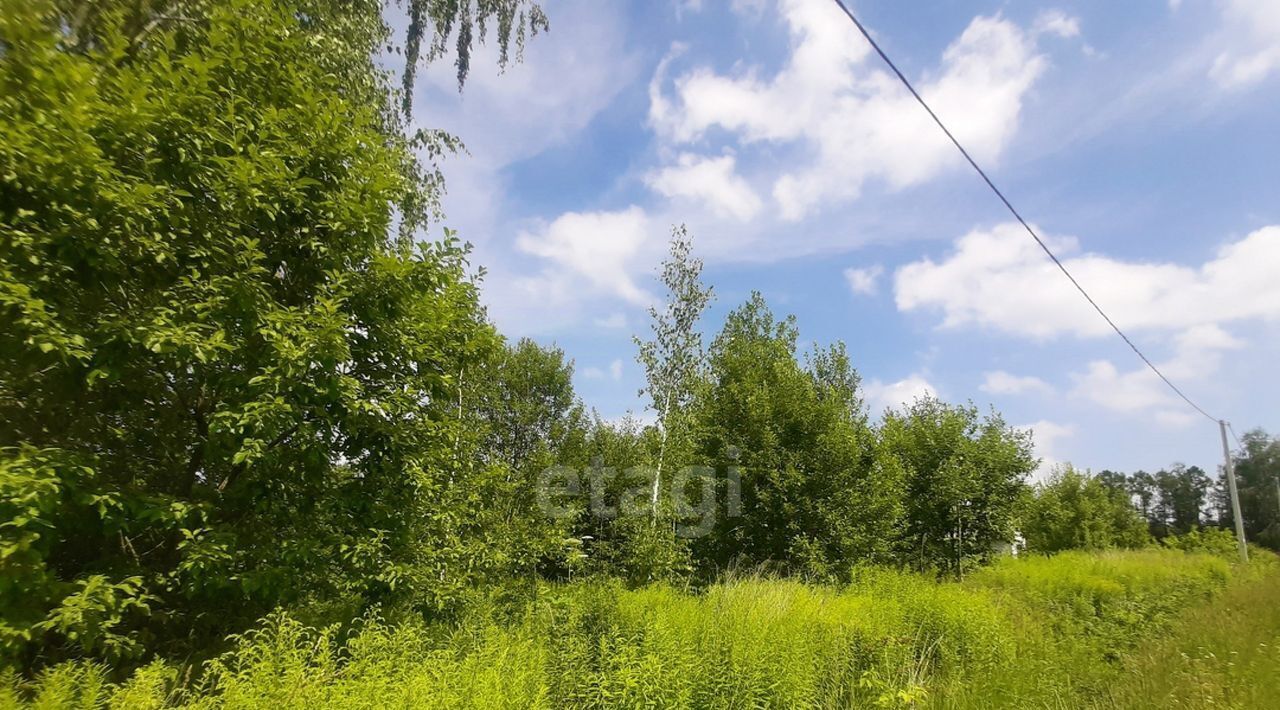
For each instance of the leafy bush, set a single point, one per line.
(1073, 510)
(1211, 541)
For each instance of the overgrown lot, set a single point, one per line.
(1022, 633)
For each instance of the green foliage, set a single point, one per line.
(1074, 510)
(522, 416)
(215, 362)
(673, 359)
(438, 22)
(1182, 492)
(814, 498)
(1013, 636)
(623, 537)
(1257, 469)
(232, 383)
(964, 478)
(1211, 541)
(1078, 614)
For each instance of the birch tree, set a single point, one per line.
(674, 357)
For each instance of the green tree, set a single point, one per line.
(1075, 510)
(225, 385)
(1114, 480)
(526, 406)
(965, 476)
(1182, 492)
(1142, 486)
(616, 525)
(813, 495)
(523, 416)
(1257, 469)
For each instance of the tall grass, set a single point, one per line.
(1076, 615)
(1223, 655)
(1022, 633)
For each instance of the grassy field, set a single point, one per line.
(1222, 655)
(1066, 631)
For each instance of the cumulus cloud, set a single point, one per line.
(587, 253)
(712, 181)
(998, 278)
(895, 395)
(505, 117)
(855, 119)
(864, 281)
(1130, 391)
(1001, 382)
(1197, 352)
(1252, 28)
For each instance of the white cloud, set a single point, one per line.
(588, 253)
(1198, 352)
(864, 281)
(507, 115)
(683, 6)
(1233, 71)
(1001, 382)
(1128, 392)
(1252, 29)
(1045, 436)
(1057, 22)
(1000, 279)
(613, 372)
(749, 8)
(856, 120)
(895, 395)
(710, 180)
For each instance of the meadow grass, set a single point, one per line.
(1221, 655)
(1035, 632)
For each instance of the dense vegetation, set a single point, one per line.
(1024, 633)
(238, 377)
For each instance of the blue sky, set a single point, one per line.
(1141, 138)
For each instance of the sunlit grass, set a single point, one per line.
(1223, 655)
(1028, 633)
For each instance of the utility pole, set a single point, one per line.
(1235, 496)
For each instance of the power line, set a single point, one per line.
(1022, 221)
(1234, 436)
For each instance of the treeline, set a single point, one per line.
(232, 380)
(1111, 509)
(761, 455)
